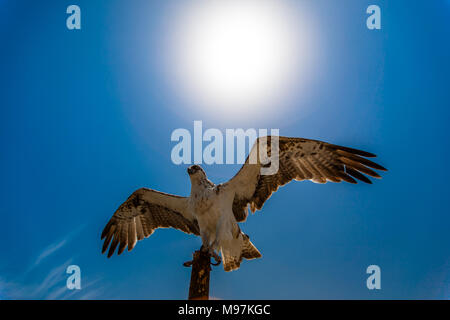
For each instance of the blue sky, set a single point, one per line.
(86, 118)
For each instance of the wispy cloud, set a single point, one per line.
(53, 248)
(52, 285)
(49, 250)
(55, 276)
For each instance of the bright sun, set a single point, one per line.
(235, 56)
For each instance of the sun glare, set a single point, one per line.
(236, 57)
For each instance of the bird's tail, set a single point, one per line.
(233, 251)
(249, 251)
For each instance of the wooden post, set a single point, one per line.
(201, 267)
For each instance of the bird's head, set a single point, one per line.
(196, 170)
(196, 173)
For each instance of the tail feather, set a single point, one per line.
(232, 255)
(249, 250)
(231, 263)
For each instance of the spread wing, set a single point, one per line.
(143, 212)
(299, 159)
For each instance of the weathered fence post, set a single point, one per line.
(201, 268)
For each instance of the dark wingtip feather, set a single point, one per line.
(354, 151)
(122, 247)
(362, 160)
(105, 247)
(358, 175)
(106, 229)
(347, 178)
(373, 165)
(104, 233)
(114, 244)
(359, 167)
(106, 243)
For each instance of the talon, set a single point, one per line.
(217, 258)
(188, 263)
(215, 264)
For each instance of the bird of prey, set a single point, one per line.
(213, 211)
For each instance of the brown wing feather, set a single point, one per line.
(299, 159)
(143, 212)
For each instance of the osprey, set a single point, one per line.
(214, 211)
